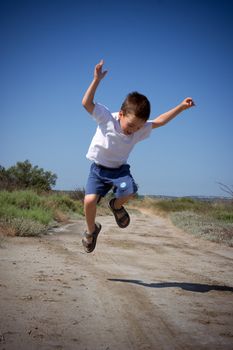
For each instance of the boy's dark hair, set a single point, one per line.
(136, 104)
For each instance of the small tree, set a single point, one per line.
(4, 181)
(23, 175)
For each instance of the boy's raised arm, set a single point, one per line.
(88, 98)
(166, 117)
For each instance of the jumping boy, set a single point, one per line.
(115, 137)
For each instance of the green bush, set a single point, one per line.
(79, 207)
(24, 175)
(38, 214)
(62, 202)
(23, 209)
(20, 199)
(224, 215)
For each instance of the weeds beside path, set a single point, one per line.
(212, 220)
(26, 213)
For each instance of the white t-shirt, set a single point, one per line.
(110, 147)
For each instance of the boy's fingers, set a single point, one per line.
(190, 101)
(99, 65)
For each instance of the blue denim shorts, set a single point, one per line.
(101, 180)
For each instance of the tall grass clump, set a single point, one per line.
(64, 203)
(20, 199)
(28, 213)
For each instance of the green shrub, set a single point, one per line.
(79, 208)
(20, 199)
(8, 210)
(62, 202)
(23, 209)
(224, 215)
(40, 215)
(24, 175)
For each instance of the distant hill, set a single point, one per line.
(201, 198)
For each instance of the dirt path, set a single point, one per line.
(149, 286)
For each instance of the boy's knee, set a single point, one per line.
(91, 199)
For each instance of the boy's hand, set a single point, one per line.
(98, 74)
(187, 103)
(88, 98)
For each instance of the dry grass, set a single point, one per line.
(212, 220)
(202, 225)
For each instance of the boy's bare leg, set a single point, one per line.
(119, 202)
(90, 203)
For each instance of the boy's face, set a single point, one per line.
(130, 123)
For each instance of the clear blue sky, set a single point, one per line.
(164, 49)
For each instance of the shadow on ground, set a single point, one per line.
(191, 287)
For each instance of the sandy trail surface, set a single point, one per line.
(149, 286)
